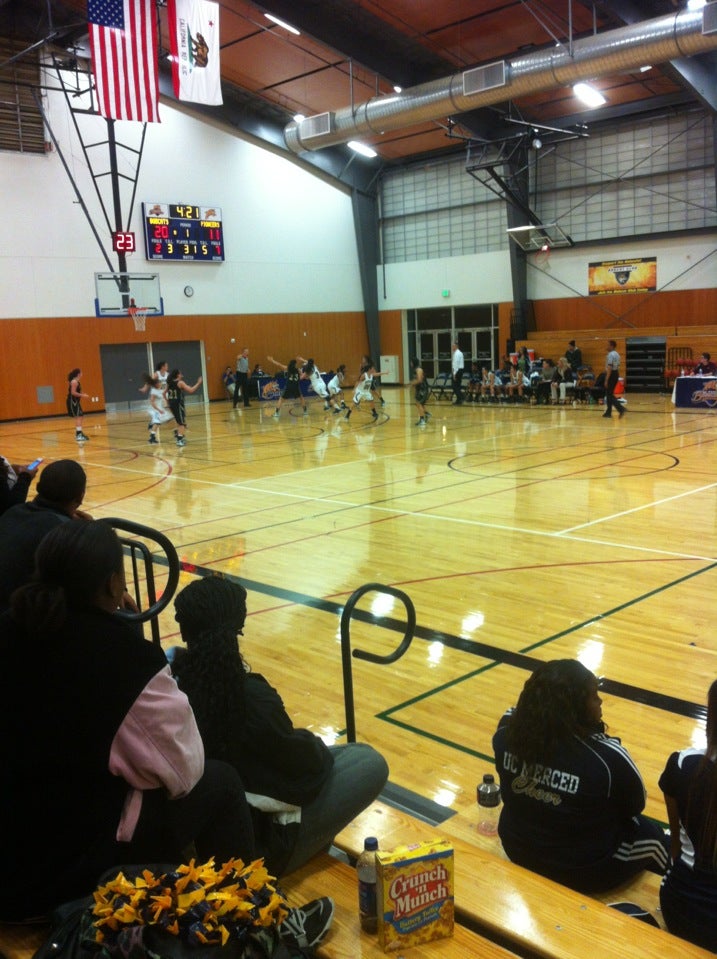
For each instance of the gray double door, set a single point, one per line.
(124, 363)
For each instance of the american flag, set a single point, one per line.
(123, 41)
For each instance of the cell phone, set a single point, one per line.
(35, 463)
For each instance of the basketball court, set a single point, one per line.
(519, 533)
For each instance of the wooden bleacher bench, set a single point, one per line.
(327, 876)
(529, 914)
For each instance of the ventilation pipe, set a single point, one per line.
(615, 51)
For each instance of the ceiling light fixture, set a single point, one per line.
(696, 4)
(588, 95)
(362, 148)
(646, 68)
(282, 23)
(298, 117)
(397, 89)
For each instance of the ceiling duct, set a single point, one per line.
(615, 51)
(317, 126)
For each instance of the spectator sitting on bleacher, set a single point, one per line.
(572, 796)
(302, 792)
(688, 894)
(101, 761)
(474, 384)
(705, 367)
(14, 483)
(563, 379)
(544, 381)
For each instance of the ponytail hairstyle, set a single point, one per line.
(211, 613)
(72, 564)
(551, 710)
(310, 366)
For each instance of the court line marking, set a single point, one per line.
(637, 509)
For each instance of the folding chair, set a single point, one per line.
(442, 384)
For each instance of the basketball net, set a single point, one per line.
(139, 316)
(542, 256)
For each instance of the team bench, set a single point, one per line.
(530, 915)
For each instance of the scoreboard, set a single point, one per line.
(178, 231)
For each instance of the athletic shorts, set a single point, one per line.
(421, 392)
(179, 413)
(74, 407)
(292, 391)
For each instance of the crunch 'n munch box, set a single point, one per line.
(414, 889)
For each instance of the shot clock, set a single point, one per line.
(183, 231)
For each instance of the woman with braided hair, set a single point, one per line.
(572, 796)
(301, 791)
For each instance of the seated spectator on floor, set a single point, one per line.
(101, 761)
(473, 389)
(302, 792)
(14, 483)
(543, 383)
(229, 379)
(597, 390)
(563, 380)
(572, 796)
(688, 894)
(60, 492)
(705, 367)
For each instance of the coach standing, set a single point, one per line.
(242, 379)
(457, 364)
(612, 372)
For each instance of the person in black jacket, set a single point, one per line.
(302, 792)
(101, 761)
(14, 483)
(572, 796)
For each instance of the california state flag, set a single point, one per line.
(194, 40)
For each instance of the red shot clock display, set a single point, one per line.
(179, 231)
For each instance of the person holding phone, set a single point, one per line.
(15, 482)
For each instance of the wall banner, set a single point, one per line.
(623, 276)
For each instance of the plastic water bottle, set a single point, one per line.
(366, 870)
(488, 794)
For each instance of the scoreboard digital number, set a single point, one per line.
(178, 231)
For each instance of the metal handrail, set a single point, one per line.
(362, 654)
(140, 553)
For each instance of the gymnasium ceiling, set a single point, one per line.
(351, 50)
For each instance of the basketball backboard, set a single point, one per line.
(117, 293)
(532, 238)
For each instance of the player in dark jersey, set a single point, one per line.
(422, 390)
(292, 390)
(74, 402)
(176, 391)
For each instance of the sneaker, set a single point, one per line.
(606, 416)
(374, 414)
(336, 410)
(383, 401)
(152, 438)
(343, 405)
(306, 926)
(348, 413)
(181, 441)
(275, 415)
(421, 422)
(80, 437)
(428, 416)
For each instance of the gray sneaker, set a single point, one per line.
(307, 926)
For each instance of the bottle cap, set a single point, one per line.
(488, 778)
(370, 843)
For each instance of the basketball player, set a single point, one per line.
(74, 402)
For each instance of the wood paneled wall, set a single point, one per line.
(41, 352)
(621, 312)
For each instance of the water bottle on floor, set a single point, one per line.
(488, 795)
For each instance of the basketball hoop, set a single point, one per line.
(542, 256)
(139, 317)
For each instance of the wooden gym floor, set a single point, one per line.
(520, 534)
